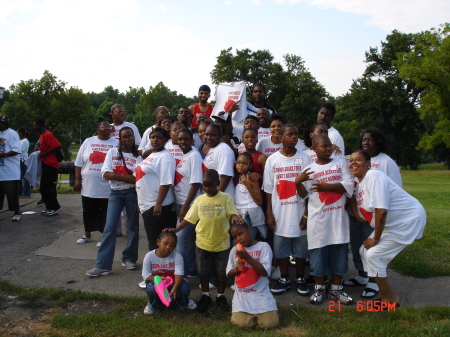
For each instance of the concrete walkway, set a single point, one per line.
(41, 251)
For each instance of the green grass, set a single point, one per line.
(435, 166)
(122, 316)
(429, 256)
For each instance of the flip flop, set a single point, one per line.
(367, 291)
(353, 283)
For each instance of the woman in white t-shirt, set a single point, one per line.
(221, 158)
(397, 218)
(155, 176)
(118, 168)
(188, 179)
(88, 179)
(373, 141)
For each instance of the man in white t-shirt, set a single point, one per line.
(9, 167)
(118, 114)
(160, 112)
(326, 115)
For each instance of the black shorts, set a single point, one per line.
(210, 264)
(10, 188)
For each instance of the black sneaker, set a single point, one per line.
(221, 301)
(302, 288)
(281, 286)
(203, 304)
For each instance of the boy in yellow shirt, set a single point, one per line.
(213, 211)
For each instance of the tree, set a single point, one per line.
(63, 109)
(428, 66)
(383, 99)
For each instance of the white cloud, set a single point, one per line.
(9, 8)
(162, 8)
(256, 2)
(405, 15)
(228, 3)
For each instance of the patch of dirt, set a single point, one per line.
(22, 318)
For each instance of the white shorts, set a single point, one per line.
(377, 258)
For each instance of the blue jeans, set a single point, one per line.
(117, 200)
(182, 300)
(358, 233)
(24, 185)
(248, 220)
(186, 246)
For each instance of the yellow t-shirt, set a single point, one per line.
(213, 216)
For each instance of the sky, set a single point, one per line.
(91, 44)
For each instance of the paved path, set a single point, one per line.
(41, 251)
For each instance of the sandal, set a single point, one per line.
(17, 218)
(369, 292)
(353, 282)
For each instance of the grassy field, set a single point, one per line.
(429, 256)
(74, 313)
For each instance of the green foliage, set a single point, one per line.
(290, 89)
(48, 98)
(427, 64)
(383, 99)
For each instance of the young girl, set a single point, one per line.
(253, 304)
(201, 146)
(250, 140)
(172, 144)
(118, 169)
(154, 186)
(188, 179)
(165, 122)
(118, 115)
(164, 261)
(249, 196)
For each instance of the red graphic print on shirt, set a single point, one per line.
(228, 105)
(247, 277)
(329, 197)
(120, 170)
(97, 157)
(139, 173)
(204, 168)
(178, 177)
(367, 215)
(286, 189)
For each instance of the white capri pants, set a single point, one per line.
(377, 258)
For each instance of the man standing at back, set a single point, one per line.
(326, 115)
(50, 165)
(259, 101)
(204, 92)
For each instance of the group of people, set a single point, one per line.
(200, 183)
(14, 147)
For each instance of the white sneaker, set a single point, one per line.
(99, 244)
(319, 294)
(148, 311)
(339, 295)
(192, 305)
(232, 287)
(142, 285)
(84, 239)
(130, 265)
(276, 273)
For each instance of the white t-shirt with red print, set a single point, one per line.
(114, 163)
(406, 217)
(328, 222)
(174, 150)
(263, 133)
(221, 158)
(188, 172)
(252, 294)
(90, 158)
(386, 164)
(169, 266)
(155, 170)
(115, 133)
(267, 147)
(279, 180)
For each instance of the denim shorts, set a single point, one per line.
(334, 256)
(285, 247)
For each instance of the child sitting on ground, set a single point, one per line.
(253, 303)
(213, 211)
(164, 261)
